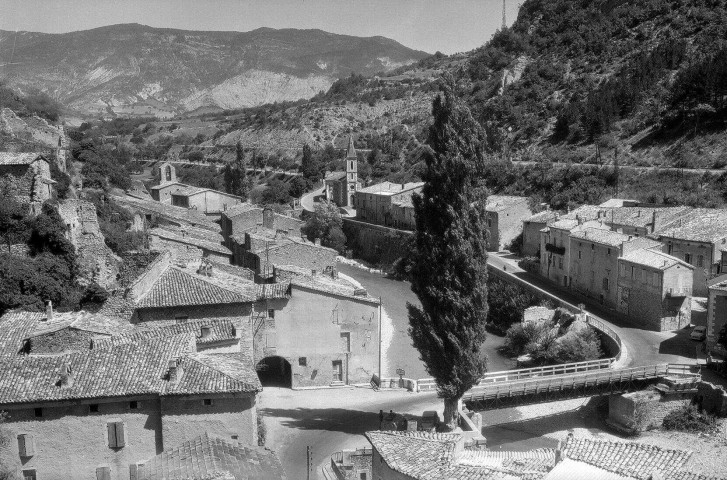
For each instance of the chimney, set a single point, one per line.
(403, 186)
(66, 379)
(638, 213)
(175, 371)
(318, 242)
(559, 453)
(653, 221)
(206, 330)
(49, 311)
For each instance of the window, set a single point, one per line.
(38, 412)
(133, 405)
(235, 437)
(26, 445)
(271, 313)
(302, 362)
(362, 476)
(608, 252)
(560, 263)
(605, 284)
(29, 474)
(632, 273)
(103, 473)
(700, 261)
(688, 258)
(93, 408)
(115, 430)
(207, 402)
(579, 254)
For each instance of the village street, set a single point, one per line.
(332, 420)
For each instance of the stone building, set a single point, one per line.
(263, 249)
(30, 176)
(655, 290)
(166, 213)
(341, 187)
(244, 218)
(188, 246)
(96, 262)
(555, 253)
(203, 200)
(698, 239)
(313, 329)
(716, 310)
(531, 231)
(402, 214)
(377, 203)
(99, 413)
(504, 217)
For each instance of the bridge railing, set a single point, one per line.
(564, 382)
(566, 368)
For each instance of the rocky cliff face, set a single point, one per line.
(141, 70)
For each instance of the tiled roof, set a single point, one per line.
(190, 240)
(270, 291)
(602, 236)
(211, 458)
(542, 217)
(241, 208)
(584, 213)
(617, 202)
(220, 330)
(391, 188)
(82, 320)
(630, 459)
(16, 326)
(642, 216)
(301, 277)
(178, 214)
(187, 190)
(13, 158)
(654, 259)
(176, 288)
(496, 203)
(702, 225)
(532, 461)
(333, 176)
(432, 457)
(211, 373)
(189, 231)
(129, 369)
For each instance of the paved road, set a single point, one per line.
(696, 171)
(307, 201)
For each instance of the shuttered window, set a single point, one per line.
(26, 445)
(116, 434)
(103, 473)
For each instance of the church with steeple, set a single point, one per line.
(341, 187)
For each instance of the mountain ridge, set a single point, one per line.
(116, 69)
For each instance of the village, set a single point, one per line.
(364, 241)
(167, 373)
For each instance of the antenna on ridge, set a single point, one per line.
(504, 16)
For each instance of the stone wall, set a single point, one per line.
(96, 262)
(184, 417)
(312, 329)
(644, 410)
(713, 398)
(148, 278)
(374, 243)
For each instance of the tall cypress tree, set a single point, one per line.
(236, 179)
(449, 271)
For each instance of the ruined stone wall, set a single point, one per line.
(644, 410)
(22, 179)
(712, 398)
(96, 262)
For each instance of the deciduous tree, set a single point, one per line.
(449, 263)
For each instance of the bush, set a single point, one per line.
(689, 419)
(507, 302)
(530, 264)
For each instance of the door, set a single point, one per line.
(337, 371)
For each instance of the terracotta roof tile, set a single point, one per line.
(220, 330)
(193, 240)
(211, 373)
(176, 288)
(16, 326)
(208, 457)
(631, 459)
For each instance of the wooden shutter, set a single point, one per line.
(111, 428)
(26, 445)
(103, 473)
(135, 471)
(120, 441)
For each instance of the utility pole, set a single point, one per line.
(504, 16)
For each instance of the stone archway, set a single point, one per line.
(275, 372)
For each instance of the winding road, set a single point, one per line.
(332, 420)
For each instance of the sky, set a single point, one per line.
(448, 26)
